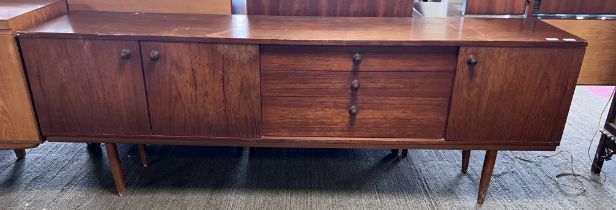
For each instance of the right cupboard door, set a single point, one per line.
(512, 94)
(209, 90)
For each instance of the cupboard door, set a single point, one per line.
(203, 89)
(513, 94)
(87, 87)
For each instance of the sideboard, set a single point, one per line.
(273, 81)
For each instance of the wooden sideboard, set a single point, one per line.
(18, 127)
(268, 81)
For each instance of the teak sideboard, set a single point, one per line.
(336, 82)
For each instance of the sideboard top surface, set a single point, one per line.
(304, 30)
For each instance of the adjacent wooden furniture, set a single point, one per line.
(495, 7)
(18, 127)
(599, 66)
(158, 6)
(577, 7)
(357, 8)
(268, 81)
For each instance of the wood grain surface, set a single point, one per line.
(357, 8)
(377, 117)
(513, 94)
(17, 118)
(203, 89)
(154, 6)
(303, 30)
(371, 84)
(577, 7)
(599, 66)
(319, 58)
(85, 87)
(495, 7)
(21, 14)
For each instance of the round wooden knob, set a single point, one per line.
(353, 110)
(154, 55)
(125, 54)
(357, 57)
(355, 85)
(472, 60)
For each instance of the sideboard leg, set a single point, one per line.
(395, 152)
(20, 153)
(116, 168)
(486, 174)
(144, 155)
(405, 152)
(466, 155)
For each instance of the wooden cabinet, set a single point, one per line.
(264, 81)
(87, 87)
(203, 89)
(513, 94)
(18, 126)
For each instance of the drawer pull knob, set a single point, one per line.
(355, 85)
(472, 60)
(125, 54)
(353, 110)
(154, 55)
(357, 57)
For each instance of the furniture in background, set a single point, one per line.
(355, 8)
(156, 6)
(18, 126)
(495, 7)
(268, 81)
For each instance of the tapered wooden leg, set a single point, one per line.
(405, 152)
(395, 151)
(20, 153)
(466, 155)
(486, 174)
(116, 169)
(144, 155)
(597, 163)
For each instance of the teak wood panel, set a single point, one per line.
(17, 118)
(203, 89)
(325, 58)
(17, 15)
(84, 87)
(578, 7)
(513, 94)
(377, 117)
(599, 66)
(357, 8)
(154, 6)
(371, 84)
(495, 7)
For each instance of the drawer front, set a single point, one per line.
(326, 58)
(376, 117)
(364, 84)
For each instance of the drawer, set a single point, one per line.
(337, 58)
(368, 84)
(376, 117)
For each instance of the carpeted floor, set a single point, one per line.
(69, 176)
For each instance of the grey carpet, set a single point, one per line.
(69, 176)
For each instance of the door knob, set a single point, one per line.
(355, 85)
(125, 54)
(154, 55)
(472, 60)
(357, 58)
(353, 110)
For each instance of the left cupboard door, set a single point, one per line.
(86, 87)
